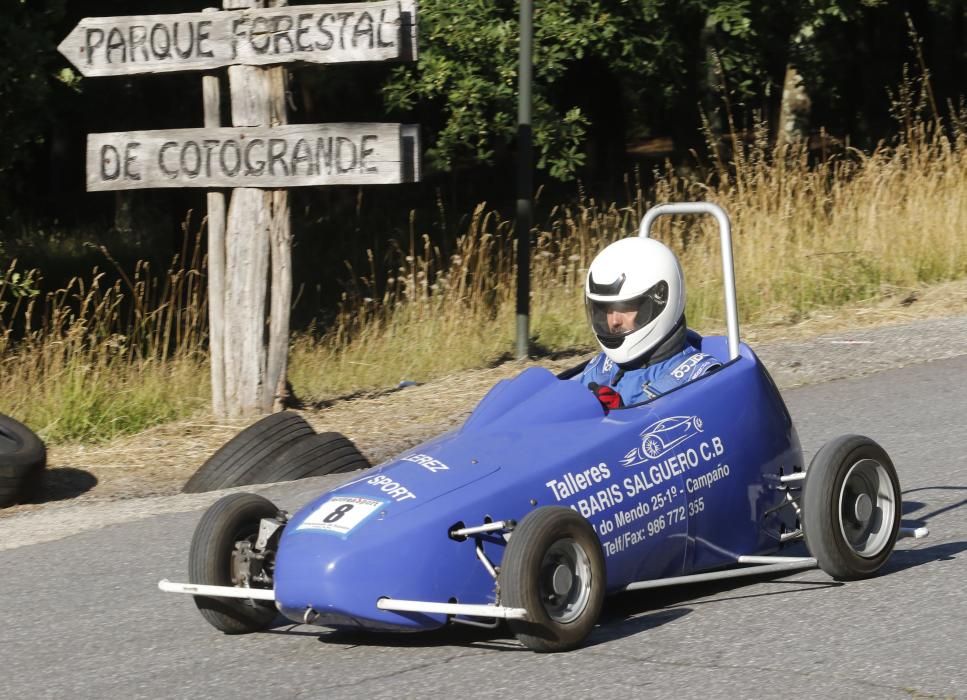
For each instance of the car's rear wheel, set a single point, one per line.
(223, 554)
(553, 568)
(851, 507)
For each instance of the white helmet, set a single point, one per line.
(641, 275)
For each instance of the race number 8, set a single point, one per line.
(341, 514)
(338, 513)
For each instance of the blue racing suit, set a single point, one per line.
(651, 381)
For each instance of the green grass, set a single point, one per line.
(93, 361)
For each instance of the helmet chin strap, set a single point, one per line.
(671, 344)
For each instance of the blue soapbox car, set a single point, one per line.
(542, 504)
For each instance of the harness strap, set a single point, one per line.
(617, 376)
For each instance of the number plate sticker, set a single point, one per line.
(341, 514)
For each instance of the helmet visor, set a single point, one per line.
(616, 319)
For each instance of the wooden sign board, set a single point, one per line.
(374, 31)
(297, 155)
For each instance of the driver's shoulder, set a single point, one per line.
(599, 368)
(685, 366)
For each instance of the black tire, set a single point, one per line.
(23, 459)
(231, 519)
(236, 459)
(349, 459)
(553, 547)
(9, 490)
(311, 455)
(851, 507)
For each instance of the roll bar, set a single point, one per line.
(728, 268)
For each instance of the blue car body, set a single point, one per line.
(708, 495)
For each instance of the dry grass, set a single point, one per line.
(844, 240)
(912, 304)
(808, 238)
(94, 360)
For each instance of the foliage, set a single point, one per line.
(28, 41)
(603, 69)
(467, 73)
(18, 285)
(660, 54)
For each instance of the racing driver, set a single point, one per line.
(635, 300)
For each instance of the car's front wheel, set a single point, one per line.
(223, 553)
(851, 507)
(553, 568)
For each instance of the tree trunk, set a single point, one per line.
(795, 108)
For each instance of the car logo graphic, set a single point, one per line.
(660, 437)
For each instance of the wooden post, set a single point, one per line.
(212, 96)
(281, 296)
(250, 240)
(280, 245)
(280, 241)
(258, 232)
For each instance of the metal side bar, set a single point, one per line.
(728, 268)
(792, 564)
(489, 611)
(752, 559)
(216, 591)
(917, 533)
(486, 527)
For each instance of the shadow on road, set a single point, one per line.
(496, 639)
(910, 507)
(618, 622)
(675, 597)
(615, 623)
(903, 559)
(63, 483)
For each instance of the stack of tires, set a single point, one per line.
(23, 459)
(279, 447)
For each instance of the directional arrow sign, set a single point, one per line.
(268, 157)
(373, 31)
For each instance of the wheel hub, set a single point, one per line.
(867, 508)
(863, 508)
(562, 580)
(565, 580)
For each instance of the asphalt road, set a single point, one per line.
(82, 616)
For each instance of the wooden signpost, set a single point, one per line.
(282, 156)
(259, 156)
(374, 31)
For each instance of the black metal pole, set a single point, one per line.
(525, 176)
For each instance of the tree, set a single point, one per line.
(464, 86)
(651, 63)
(28, 60)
